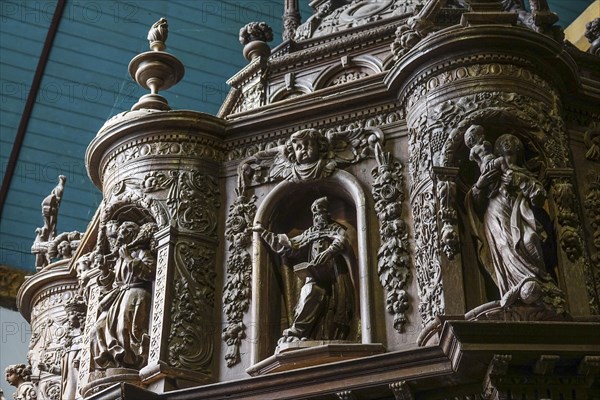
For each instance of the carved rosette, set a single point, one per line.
(393, 255)
(237, 291)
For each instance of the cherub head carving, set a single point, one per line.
(306, 146)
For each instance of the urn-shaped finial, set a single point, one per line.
(254, 36)
(156, 70)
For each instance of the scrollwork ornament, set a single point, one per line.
(393, 255)
(190, 343)
(427, 264)
(237, 290)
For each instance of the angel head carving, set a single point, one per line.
(306, 146)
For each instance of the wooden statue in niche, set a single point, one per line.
(120, 336)
(501, 207)
(325, 308)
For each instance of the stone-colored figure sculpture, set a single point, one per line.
(120, 338)
(501, 207)
(19, 376)
(76, 310)
(46, 233)
(326, 304)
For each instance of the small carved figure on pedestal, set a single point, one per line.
(501, 208)
(326, 305)
(76, 310)
(19, 376)
(120, 337)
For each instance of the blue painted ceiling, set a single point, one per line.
(86, 82)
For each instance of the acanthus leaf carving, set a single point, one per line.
(422, 198)
(190, 338)
(393, 255)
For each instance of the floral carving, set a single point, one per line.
(190, 339)
(592, 207)
(393, 256)
(237, 290)
(570, 239)
(427, 263)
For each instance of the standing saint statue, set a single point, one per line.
(120, 337)
(501, 210)
(325, 306)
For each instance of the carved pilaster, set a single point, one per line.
(422, 197)
(572, 253)
(449, 237)
(182, 326)
(591, 204)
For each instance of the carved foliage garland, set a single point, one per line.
(393, 256)
(569, 237)
(427, 263)
(592, 207)
(237, 290)
(190, 343)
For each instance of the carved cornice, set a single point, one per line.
(190, 133)
(332, 48)
(55, 278)
(375, 117)
(551, 62)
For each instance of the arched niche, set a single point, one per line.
(288, 199)
(479, 287)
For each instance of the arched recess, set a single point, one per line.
(298, 89)
(349, 69)
(341, 187)
(478, 282)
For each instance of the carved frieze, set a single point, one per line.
(332, 17)
(162, 145)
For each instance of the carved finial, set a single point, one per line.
(254, 36)
(156, 70)
(157, 35)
